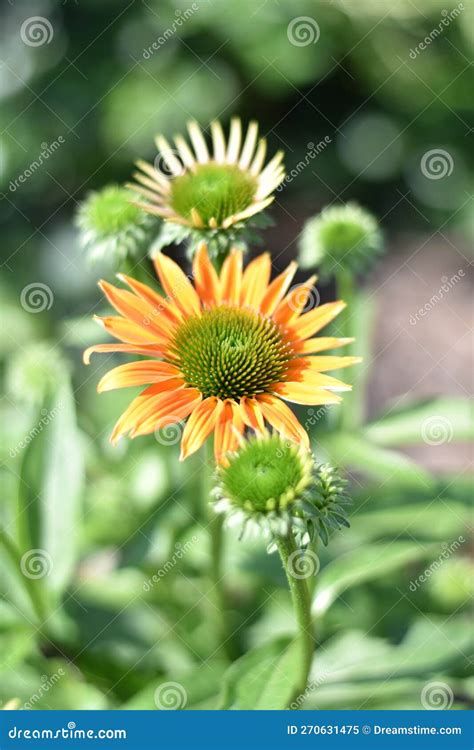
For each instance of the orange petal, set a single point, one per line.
(159, 304)
(322, 364)
(297, 374)
(231, 277)
(251, 414)
(169, 409)
(136, 309)
(277, 289)
(296, 301)
(255, 281)
(280, 416)
(199, 425)
(147, 350)
(319, 344)
(137, 373)
(312, 322)
(206, 280)
(176, 284)
(129, 332)
(300, 393)
(229, 427)
(142, 405)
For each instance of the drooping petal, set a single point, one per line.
(129, 332)
(252, 414)
(259, 157)
(277, 289)
(231, 277)
(206, 280)
(146, 350)
(229, 427)
(137, 373)
(280, 416)
(171, 408)
(312, 322)
(200, 425)
(159, 304)
(176, 285)
(319, 344)
(135, 309)
(255, 281)
(300, 393)
(142, 406)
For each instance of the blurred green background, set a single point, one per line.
(91, 628)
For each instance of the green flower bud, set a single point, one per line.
(273, 486)
(340, 238)
(112, 227)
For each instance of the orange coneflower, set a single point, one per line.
(224, 351)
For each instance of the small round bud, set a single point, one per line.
(340, 238)
(112, 227)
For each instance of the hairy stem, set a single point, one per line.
(302, 606)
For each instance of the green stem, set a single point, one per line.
(346, 292)
(302, 605)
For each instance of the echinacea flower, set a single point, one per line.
(112, 227)
(210, 190)
(345, 237)
(274, 487)
(225, 353)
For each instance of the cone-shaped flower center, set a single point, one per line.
(229, 352)
(215, 191)
(266, 475)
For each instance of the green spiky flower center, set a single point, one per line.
(229, 352)
(215, 191)
(110, 211)
(266, 475)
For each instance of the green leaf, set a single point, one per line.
(364, 564)
(389, 467)
(188, 689)
(265, 678)
(442, 519)
(50, 491)
(434, 421)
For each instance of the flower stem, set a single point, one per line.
(302, 605)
